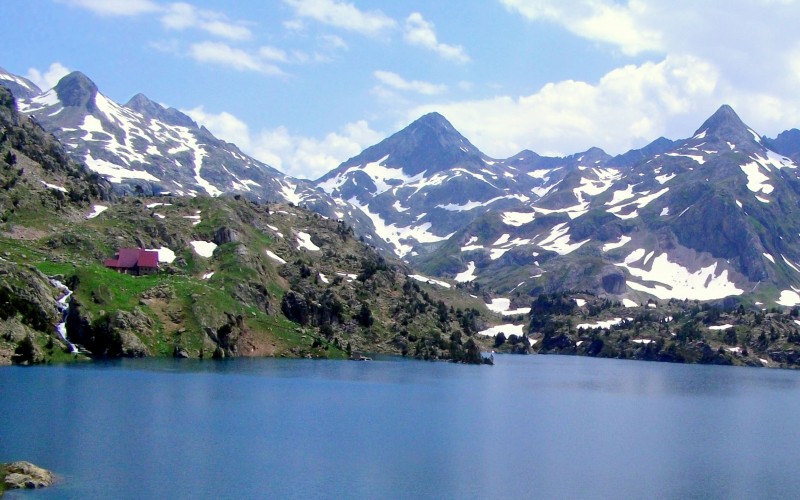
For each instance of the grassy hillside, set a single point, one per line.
(238, 278)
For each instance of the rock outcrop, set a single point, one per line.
(25, 475)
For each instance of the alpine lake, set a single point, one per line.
(527, 427)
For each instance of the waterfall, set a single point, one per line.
(63, 308)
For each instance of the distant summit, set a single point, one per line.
(429, 144)
(787, 143)
(78, 91)
(726, 125)
(151, 109)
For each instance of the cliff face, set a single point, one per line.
(28, 315)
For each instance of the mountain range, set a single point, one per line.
(708, 217)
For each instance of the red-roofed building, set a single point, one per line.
(136, 261)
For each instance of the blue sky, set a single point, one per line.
(306, 84)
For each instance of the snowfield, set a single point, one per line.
(399, 237)
(665, 279)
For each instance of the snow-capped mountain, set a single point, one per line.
(145, 147)
(707, 217)
(423, 184)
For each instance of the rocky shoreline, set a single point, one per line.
(24, 475)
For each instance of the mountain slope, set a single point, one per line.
(237, 277)
(19, 86)
(143, 147)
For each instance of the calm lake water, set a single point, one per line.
(533, 426)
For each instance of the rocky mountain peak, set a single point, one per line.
(787, 142)
(77, 90)
(151, 109)
(144, 105)
(725, 124)
(591, 155)
(431, 144)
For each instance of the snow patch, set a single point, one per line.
(304, 241)
(397, 235)
(274, 257)
(499, 305)
(623, 240)
(507, 330)
(517, 219)
(756, 179)
(54, 187)
(97, 210)
(430, 281)
(468, 275)
(789, 298)
(115, 173)
(558, 240)
(502, 240)
(663, 179)
(164, 254)
(289, 192)
(203, 248)
(600, 324)
(699, 159)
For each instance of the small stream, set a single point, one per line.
(63, 308)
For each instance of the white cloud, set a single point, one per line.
(421, 33)
(180, 16)
(115, 7)
(333, 42)
(296, 155)
(397, 82)
(343, 15)
(628, 107)
(225, 55)
(50, 77)
(599, 20)
(309, 157)
(223, 125)
(272, 54)
(731, 37)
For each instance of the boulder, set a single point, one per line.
(226, 235)
(21, 475)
